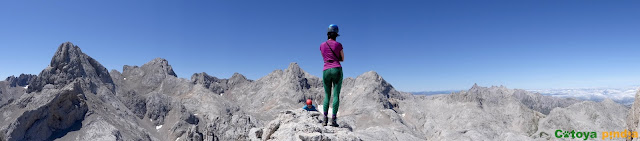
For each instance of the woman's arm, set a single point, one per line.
(342, 54)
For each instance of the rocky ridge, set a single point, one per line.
(299, 124)
(22, 80)
(71, 95)
(76, 98)
(633, 118)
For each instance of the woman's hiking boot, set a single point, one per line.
(324, 122)
(334, 123)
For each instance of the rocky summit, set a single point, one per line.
(76, 98)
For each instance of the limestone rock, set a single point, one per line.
(585, 116)
(21, 81)
(218, 85)
(301, 125)
(69, 63)
(633, 117)
(75, 98)
(73, 92)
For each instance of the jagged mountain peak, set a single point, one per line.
(294, 69)
(199, 77)
(159, 65)
(475, 89)
(292, 73)
(66, 51)
(158, 61)
(203, 76)
(293, 65)
(238, 77)
(480, 93)
(500, 94)
(218, 85)
(371, 78)
(67, 64)
(370, 74)
(21, 80)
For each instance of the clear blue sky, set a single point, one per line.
(415, 45)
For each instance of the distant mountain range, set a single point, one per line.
(76, 98)
(435, 92)
(623, 95)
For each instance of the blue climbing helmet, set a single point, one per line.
(332, 28)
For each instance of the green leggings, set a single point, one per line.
(332, 76)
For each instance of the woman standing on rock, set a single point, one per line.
(332, 54)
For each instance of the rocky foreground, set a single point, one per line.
(76, 98)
